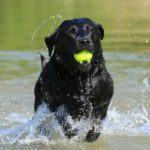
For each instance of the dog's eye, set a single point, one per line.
(88, 28)
(72, 30)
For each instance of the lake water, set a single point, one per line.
(127, 125)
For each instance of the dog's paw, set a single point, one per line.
(91, 136)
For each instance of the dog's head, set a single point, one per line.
(73, 36)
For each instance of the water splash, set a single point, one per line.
(146, 83)
(45, 21)
(37, 28)
(134, 121)
(130, 123)
(42, 127)
(56, 19)
(45, 129)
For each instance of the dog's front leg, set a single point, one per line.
(98, 115)
(94, 133)
(67, 128)
(62, 117)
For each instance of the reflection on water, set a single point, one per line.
(127, 125)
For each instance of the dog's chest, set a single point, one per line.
(75, 88)
(77, 95)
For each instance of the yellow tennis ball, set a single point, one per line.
(82, 56)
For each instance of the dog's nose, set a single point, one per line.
(84, 41)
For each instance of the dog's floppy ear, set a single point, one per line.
(51, 41)
(100, 30)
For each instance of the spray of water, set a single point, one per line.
(44, 128)
(54, 20)
(133, 122)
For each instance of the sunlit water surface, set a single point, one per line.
(127, 125)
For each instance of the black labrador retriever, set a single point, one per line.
(83, 89)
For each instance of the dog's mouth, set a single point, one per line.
(83, 57)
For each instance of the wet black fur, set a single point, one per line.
(84, 90)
